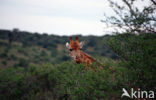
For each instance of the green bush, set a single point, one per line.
(3, 55)
(62, 81)
(22, 51)
(23, 62)
(4, 62)
(138, 52)
(13, 57)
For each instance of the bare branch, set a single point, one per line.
(154, 2)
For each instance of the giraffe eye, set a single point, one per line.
(71, 49)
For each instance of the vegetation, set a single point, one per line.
(37, 67)
(29, 48)
(132, 16)
(138, 52)
(134, 44)
(62, 81)
(30, 73)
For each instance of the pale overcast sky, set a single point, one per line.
(61, 17)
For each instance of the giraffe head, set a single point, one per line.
(74, 48)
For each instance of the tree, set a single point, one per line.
(133, 18)
(136, 51)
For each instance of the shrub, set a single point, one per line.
(62, 81)
(3, 55)
(138, 52)
(23, 62)
(13, 57)
(4, 62)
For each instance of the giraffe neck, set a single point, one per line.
(87, 56)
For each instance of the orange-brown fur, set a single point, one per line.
(78, 55)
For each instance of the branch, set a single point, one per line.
(130, 7)
(154, 2)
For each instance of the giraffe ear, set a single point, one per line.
(81, 44)
(67, 45)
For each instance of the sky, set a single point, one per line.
(59, 17)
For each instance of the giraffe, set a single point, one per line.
(78, 55)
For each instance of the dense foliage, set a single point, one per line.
(136, 21)
(27, 72)
(62, 81)
(19, 48)
(138, 51)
